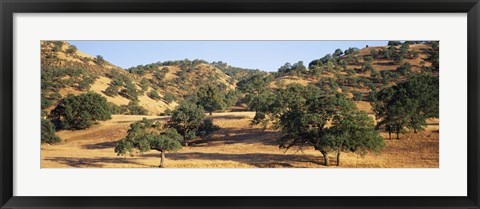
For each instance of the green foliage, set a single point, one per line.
(86, 83)
(144, 84)
(357, 96)
(148, 135)
(388, 76)
(48, 135)
(404, 69)
(189, 120)
(237, 73)
(350, 130)
(45, 102)
(337, 53)
(111, 90)
(231, 97)
(53, 79)
(167, 112)
(99, 59)
(351, 51)
(374, 53)
(80, 112)
(295, 69)
(57, 46)
(367, 67)
(72, 49)
(133, 108)
(154, 95)
(115, 109)
(169, 97)
(211, 98)
(129, 92)
(434, 55)
(394, 43)
(397, 57)
(408, 104)
(269, 106)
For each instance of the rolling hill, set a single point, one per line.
(159, 86)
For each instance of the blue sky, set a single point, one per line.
(263, 55)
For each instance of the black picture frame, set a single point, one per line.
(10, 7)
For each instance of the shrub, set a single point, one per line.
(72, 49)
(81, 111)
(48, 135)
(111, 91)
(169, 97)
(133, 109)
(154, 95)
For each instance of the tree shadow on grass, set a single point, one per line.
(93, 162)
(261, 160)
(228, 117)
(227, 136)
(164, 118)
(101, 145)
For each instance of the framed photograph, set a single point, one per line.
(239, 104)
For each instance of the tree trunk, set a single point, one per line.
(162, 159)
(398, 137)
(338, 158)
(390, 135)
(210, 113)
(186, 143)
(326, 161)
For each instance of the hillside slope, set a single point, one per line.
(155, 87)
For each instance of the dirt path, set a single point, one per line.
(235, 145)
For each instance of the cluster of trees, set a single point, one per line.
(334, 62)
(350, 130)
(132, 108)
(80, 111)
(212, 97)
(302, 114)
(236, 73)
(54, 79)
(121, 85)
(295, 69)
(74, 112)
(186, 124)
(407, 105)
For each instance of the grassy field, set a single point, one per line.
(235, 145)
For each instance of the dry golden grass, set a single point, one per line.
(236, 145)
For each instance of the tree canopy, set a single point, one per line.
(148, 135)
(408, 104)
(189, 120)
(80, 111)
(350, 129)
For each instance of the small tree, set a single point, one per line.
(48, 135)
(211, 98)
(405, 68)
(188, 120)
(72, 49)
(81, 111)
(100, 60)
(353, 133)
(394, 43)
(337, 53)
(147, 135)
(169, 97)
(112, 91)
(374, 53)
(154, 95)
(408, 104)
